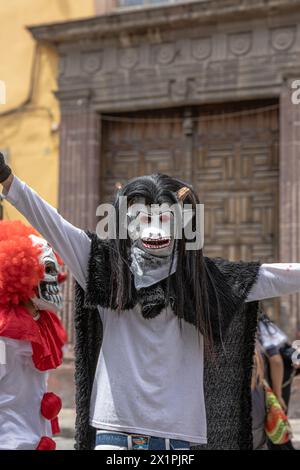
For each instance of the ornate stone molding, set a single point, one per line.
(166, 54)
(201, 48)
(74, 98)
(91, 61)
(171, 16)
(128, 62)
(128, 57)
(240, 43)
(283, 38)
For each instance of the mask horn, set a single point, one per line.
(118, 185)
(182, 193)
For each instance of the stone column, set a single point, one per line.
(79, 173)
(289, 189)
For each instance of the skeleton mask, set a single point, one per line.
(48, 293)
(151, 228)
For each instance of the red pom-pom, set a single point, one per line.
(46, 443)
(50, 405)
(20, 270)
(55, 426)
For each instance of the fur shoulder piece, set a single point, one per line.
(97, 288)
(240, 275)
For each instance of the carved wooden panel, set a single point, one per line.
(138, 147)
(236, 172)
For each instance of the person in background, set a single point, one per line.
(258, 401)
(278, 351)
(279, 367)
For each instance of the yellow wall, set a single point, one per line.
(105, 6)
(28, 132)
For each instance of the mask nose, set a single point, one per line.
(152, 232)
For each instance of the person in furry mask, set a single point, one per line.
(31, 338)
(164, 335)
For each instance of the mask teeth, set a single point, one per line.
(50, 293)
(52, 289)
(53, 298)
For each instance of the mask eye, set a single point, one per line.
(165, 217)
(144, 218)
(50, 269)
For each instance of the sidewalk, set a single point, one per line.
(295, 423)
(65, 441)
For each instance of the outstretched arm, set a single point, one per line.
(277, 372)
(71, 243)
(274, 280)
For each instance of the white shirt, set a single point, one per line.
(149, 376)
(22, 387)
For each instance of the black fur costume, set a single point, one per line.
(227, 372)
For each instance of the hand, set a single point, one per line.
(282, 403)
(5, 171)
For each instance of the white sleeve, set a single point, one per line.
(274, 280)
(2, 358)
(71, 243)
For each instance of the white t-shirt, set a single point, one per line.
(149, 376)
(22, 387)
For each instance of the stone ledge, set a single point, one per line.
(193, 13)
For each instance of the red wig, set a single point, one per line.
(20, 270)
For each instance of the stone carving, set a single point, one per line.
(182, 89)
(201, 48)
(166, 54)
(283, 38)
(179, 89)
(129, 57)
(91, 61)
(240, 43)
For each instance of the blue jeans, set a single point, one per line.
(121, 441)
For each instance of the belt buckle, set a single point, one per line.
(140, 442)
